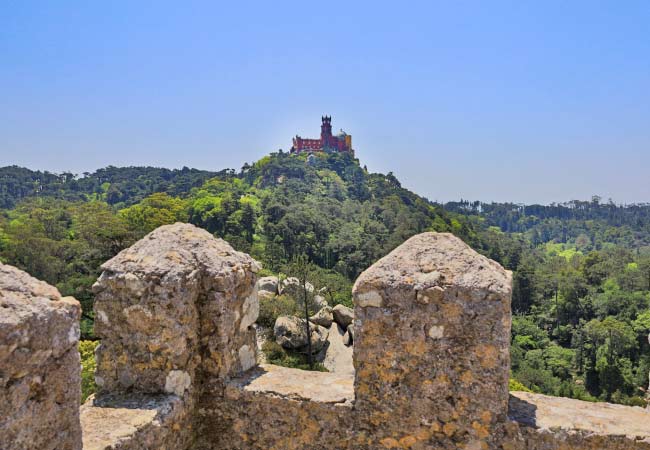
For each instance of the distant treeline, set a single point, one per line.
(565, 222)
(126, 185)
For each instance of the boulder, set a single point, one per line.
(351, 332)
(290, 333)
(293, 286)
(343, 315)
(320, 301)
(338, 357)
(269, 284)
(265, 295)
(323, 317)
(318, 337)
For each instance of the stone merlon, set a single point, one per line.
(40, 375)
(177, 368)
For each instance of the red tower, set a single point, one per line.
(326, 132)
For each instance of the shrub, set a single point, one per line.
(517, 386)
(277, 355)
(272, 308)
(88, 366)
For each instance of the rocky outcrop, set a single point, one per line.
(347, 338)
(293, 286)
(323, 317)
(265, 295)
(320, 301)
(268, 284)
(339, 355)
(343, 315)
(40, 379)
(291, 333)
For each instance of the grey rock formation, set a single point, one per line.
(320, 301)
(323, 317)
(269, 284)
(265, 295)
(339, 356)
(343, 315)
(293, 286)
(39, 365)
(291, 333)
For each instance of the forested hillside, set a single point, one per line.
(581, 270)
(581, 293)
(114, 185)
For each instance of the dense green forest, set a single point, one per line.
(581, 269)
(116, 186)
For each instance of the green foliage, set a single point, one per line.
(115, 185)
(154, 211)
(581, 270)
(335, 287)
(277, 355)
(581, 274)
(88, 366)
(515, 385)
(272, 308)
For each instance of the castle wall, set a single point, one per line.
(40, 384)
(177, 306)
(172, 311)
(277, 408)
(432, 329)
(177, 369)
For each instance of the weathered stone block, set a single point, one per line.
(136, 422)
(275, 407)
(40, 384)
(431, 349)
(177, 302)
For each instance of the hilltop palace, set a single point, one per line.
(342, 142)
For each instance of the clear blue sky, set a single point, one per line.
(526, 101)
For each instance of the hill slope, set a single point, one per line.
(581, 270)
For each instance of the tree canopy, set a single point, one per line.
(581, 270)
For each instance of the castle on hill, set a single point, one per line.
(342, 142)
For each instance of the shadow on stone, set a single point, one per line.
(522, 411)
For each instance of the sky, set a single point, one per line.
(522, 101)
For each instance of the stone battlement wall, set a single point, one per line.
(177, 363)
(40, 380)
